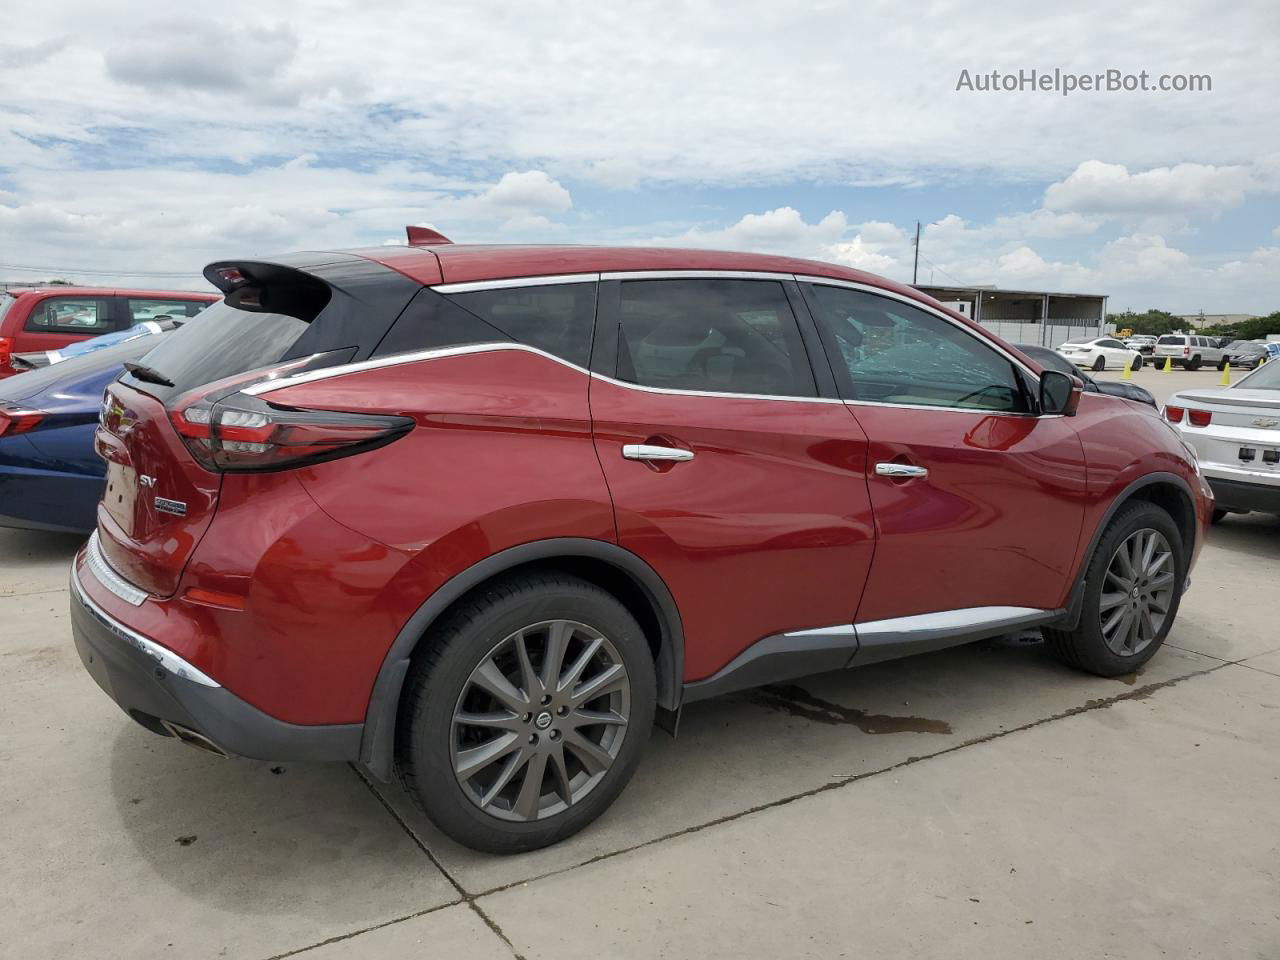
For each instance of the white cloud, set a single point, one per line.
(213, 57)
(782, 230)
(530, 190)
(1109, 189)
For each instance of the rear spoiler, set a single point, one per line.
(425, 237)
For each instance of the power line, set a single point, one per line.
(955, 280)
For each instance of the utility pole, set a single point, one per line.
(915, 269)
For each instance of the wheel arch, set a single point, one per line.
(626, 576)
(1166, 490)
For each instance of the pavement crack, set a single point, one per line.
(1138, 693)
(355, 933)
(463, 895)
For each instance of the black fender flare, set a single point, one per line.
(1072, 617)
(377, 742)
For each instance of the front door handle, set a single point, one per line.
(648, 451)
(900, 470)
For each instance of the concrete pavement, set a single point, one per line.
(983, 801)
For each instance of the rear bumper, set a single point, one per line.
(170, 697)
(1242, 495)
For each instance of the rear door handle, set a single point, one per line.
(647, 451)
(900, 470)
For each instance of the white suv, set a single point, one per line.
(1189, 351)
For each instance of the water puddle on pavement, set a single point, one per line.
(801, 703)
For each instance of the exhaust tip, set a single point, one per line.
(194, 739)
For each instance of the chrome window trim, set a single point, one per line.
(711, 393)
(695, 275)
(267, 386)
(162, 655)
(507, 283)
(107, 576)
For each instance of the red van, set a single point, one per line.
(49, 318)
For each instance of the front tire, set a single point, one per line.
(1193, 363)
(1132, 589)
(526, 712)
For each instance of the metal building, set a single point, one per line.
(1027, 316)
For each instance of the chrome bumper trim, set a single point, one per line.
(162, 655)
(106, 576)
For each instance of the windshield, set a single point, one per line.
(1246, 346)
(1266, 377)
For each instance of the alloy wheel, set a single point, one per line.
(540, 720)
(1137, 592)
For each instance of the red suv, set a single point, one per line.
(476, 513)
(49, 318)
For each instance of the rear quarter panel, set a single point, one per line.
(501, 455)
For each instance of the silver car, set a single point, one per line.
(1235, 432)
(1189, 351)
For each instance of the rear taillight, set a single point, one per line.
(1173, 414)
(1186, 351)
(15, 419)
(6, 351)
(242, 432)
(1199, 418)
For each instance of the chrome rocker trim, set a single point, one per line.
(798, 653)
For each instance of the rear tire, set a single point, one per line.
(1100, 364)
(1137, 363)
(489, 697)
(1193, 363)
(1105, 641)
(1223, 364)
(1218, 516)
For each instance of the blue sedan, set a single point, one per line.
(50, 477)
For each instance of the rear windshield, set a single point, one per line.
(1173, 341)
(1079, 340)
(220, 342)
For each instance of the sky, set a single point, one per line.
(139, 141)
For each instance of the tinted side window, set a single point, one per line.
(89, 315)
(896, 353)
(432, 321)
(140, 310)
(557, 318)
(721, 336)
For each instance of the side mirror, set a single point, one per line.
(1059, 393)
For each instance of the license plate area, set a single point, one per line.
(119, 498)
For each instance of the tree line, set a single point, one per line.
(1159, 322)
